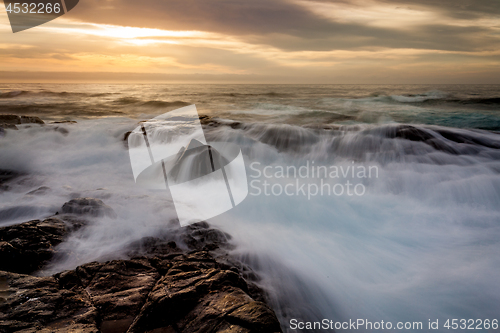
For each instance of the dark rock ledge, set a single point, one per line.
(181, 280)
(10, 120)
(27, 247)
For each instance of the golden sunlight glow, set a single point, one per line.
(118, 32)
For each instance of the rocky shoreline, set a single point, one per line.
(183, 280)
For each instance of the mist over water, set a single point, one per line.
(422, 243)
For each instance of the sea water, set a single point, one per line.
(421, 243)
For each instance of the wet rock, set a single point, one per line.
(468, 138)
(10, 119)
(88, 206)
(7, 126)
(39, 304)
(17, 120)
(7, 175)
(216, 122)
(190, 292)
(119, 289)
(451, 141)
(205, 119)
(197, 294)
(412, 133)
(169, 286)
(254, 315)
(64, 122)
(27, 247)
(61, 130)
(197, 236)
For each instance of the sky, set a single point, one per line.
(260, 41)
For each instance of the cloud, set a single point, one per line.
(266, 38)
(321, 24)
(458, 9)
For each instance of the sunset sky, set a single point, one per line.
(260, 41)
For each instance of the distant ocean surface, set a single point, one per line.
(422, 243)
(461, 106)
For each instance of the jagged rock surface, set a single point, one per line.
(88, 206)
(190, 292)
(27, 247)
(181, 280)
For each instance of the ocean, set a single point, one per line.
(417, 240)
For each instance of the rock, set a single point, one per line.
(8, 175)
(10, 119)
(31, 120)
(27, 247)
(88, 206)
(412, 133)
(190, 292)
(119, 289)
(200, 236)
(7, 126)
(10, 122)
(255, 315)
(207, 120)
(196, 236)
(63, 122)
(61, 130)
(467, 138)
(196, 295)
(173, 284)
(40, 304)
(17, 120)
